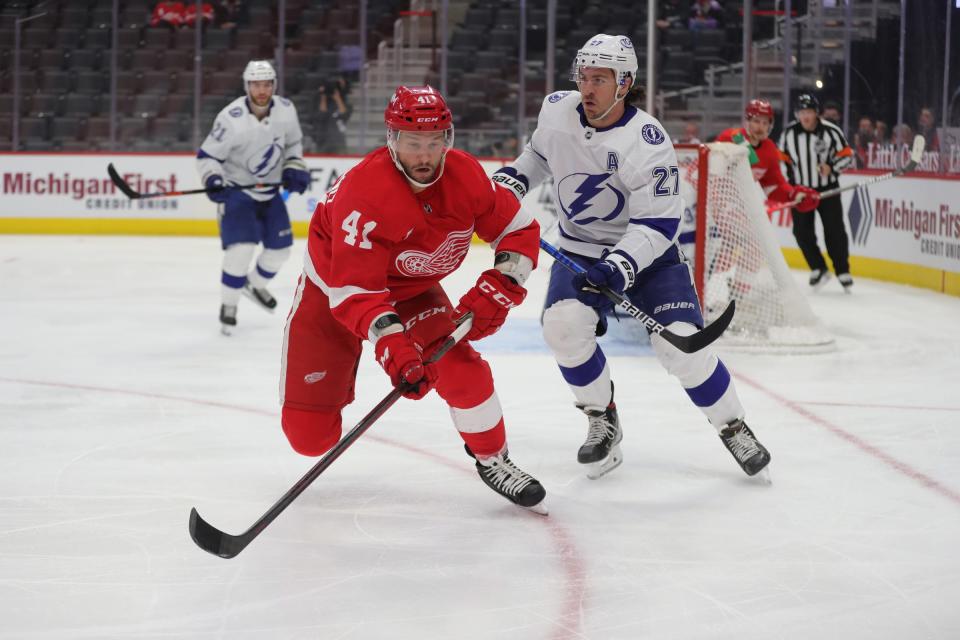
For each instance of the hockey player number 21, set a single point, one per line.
(351, 224)
(662, 174)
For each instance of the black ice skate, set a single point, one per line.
(752, 456)
(818, 278)
(228, 318)
(601, 449)
(261, 296)
(847, 281)
(503, 476)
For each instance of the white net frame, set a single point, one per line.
(738, 258)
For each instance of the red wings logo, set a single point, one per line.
(442, 261)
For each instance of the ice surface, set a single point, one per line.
(121, 407)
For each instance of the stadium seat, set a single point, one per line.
(65, 128)
(81, 105)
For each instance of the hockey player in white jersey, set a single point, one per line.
(255, 139)
(616, 186)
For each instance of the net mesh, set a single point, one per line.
(743, 261)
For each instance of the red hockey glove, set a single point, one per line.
(401, 358)
(490, 300)
(809, 198)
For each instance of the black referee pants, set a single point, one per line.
(835, 236)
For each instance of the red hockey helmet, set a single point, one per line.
(757, 107)
(417, 109)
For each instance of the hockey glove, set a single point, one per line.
(490, 300)
(601, 274)
(295, 180)
(217, 189)
(401, 358)
(809, 198)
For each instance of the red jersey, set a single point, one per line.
(766, 170)
(169, 12)
(373, 241)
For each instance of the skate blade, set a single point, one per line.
(226, 330)
(764, 476)
(540, 508)
(599, 469)
(823, 282)
(256, 301)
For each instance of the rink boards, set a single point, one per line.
(901, 230)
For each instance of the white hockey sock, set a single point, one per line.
(268, 263)
(236, 260)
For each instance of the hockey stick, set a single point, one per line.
(688, 344)
(916, 154)
(136, 195)
(225, 545)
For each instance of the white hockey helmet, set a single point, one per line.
(258, 70)
(607, 52)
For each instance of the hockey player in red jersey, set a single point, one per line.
(384, 236)
(765, 157)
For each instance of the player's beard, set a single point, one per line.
(260, 108)
(423, 173)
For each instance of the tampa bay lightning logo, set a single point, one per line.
(236, 112)
(625, 43)
(652, 134)
(583, 193)
(557, 96)
(262, 162)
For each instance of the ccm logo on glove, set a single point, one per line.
(494, 294)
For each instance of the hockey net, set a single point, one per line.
(737, 256)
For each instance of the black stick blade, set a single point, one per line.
(704, 337)
(212, 540)
(120, 183)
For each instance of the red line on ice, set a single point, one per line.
(574, 567)
(862, 405)
(858, 442)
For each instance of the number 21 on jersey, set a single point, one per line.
(351, 224)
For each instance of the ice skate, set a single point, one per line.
(752, 456)
(818, 278)
(846, 280)
(503, 476)
(228, 318)
(261, 296)
(601, 450)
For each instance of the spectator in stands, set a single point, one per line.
(706, 14)
(673, 14)
(881, 133)
(505, 148)
(831, 112)
(190, 15)
(861, 140)
(927, 127)
(902, 135)
(228, 13)
(330, 119)
(691, 134)
(167, 14)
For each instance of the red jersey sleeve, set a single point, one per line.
(774, 184)
(361, 238)
(500, 219)
(726, 135)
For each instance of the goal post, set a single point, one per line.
(737, 257)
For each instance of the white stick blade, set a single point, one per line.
(919, 143)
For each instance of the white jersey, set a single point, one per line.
(245, 150)
(616, 188)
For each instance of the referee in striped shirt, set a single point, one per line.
(815, 152)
